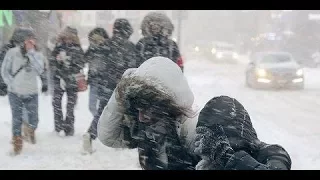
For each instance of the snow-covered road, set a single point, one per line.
(289, 118)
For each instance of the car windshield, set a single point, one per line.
(276, 58)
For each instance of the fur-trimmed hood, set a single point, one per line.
(165, 76)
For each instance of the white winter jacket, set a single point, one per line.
(160, 72)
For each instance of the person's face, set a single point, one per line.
(151, 114)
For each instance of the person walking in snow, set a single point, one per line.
(95, 57)
(68, 61)
(120, 55)
(16, 40)
(157, 29)
(20, 68)
(146, 111)
(150, 111)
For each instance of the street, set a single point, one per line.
(289, 118)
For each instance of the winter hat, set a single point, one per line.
(156, 23)
(99, 31)
(123, 27)
(234, 119)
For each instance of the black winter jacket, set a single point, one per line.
(67, 70)
(250, 152)
(152, 46)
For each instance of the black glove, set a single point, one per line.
(212, 144)
(44, 88)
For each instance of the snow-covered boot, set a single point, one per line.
(87, 144)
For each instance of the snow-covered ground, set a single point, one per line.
(289, 118)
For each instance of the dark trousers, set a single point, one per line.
(103, 101)
(72, 96)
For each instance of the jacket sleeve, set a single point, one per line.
(6, 69)
(241, 160)
(78, 58)
(110, 128)
(275, 156)
(88, 55)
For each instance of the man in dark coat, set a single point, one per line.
(95, 58)
(120, 55)
(157, 29)
(226, 140)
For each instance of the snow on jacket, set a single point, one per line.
(250, 152)
(25, 82)
(159, 72)
(118, 128)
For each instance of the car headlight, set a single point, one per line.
(261, 72)
(235, 56)
(213, 50)
(299, 72)
(196, 49)
(219, 55)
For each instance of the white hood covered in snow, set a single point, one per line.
(167, 77)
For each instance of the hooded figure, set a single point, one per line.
(229, 141)
(17, 39)
(20, 68)
(120, 55)
(146, 111)
(156, 30)
(96, 59)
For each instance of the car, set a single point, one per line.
(274, 70)
(219, 52)
(223, 52)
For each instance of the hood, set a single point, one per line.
(122, 28)
(287, 65)
(156, 24)
(235, 120)
(21, 34)
(98, 31)
(167, 77)
(159, 79)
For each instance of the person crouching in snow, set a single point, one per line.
(120, 54)
(226, 140)
(21, 66)
(146, 111)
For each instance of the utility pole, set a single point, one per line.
(179, 18)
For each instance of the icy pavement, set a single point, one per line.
(289, 118)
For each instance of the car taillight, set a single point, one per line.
(180, 62)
